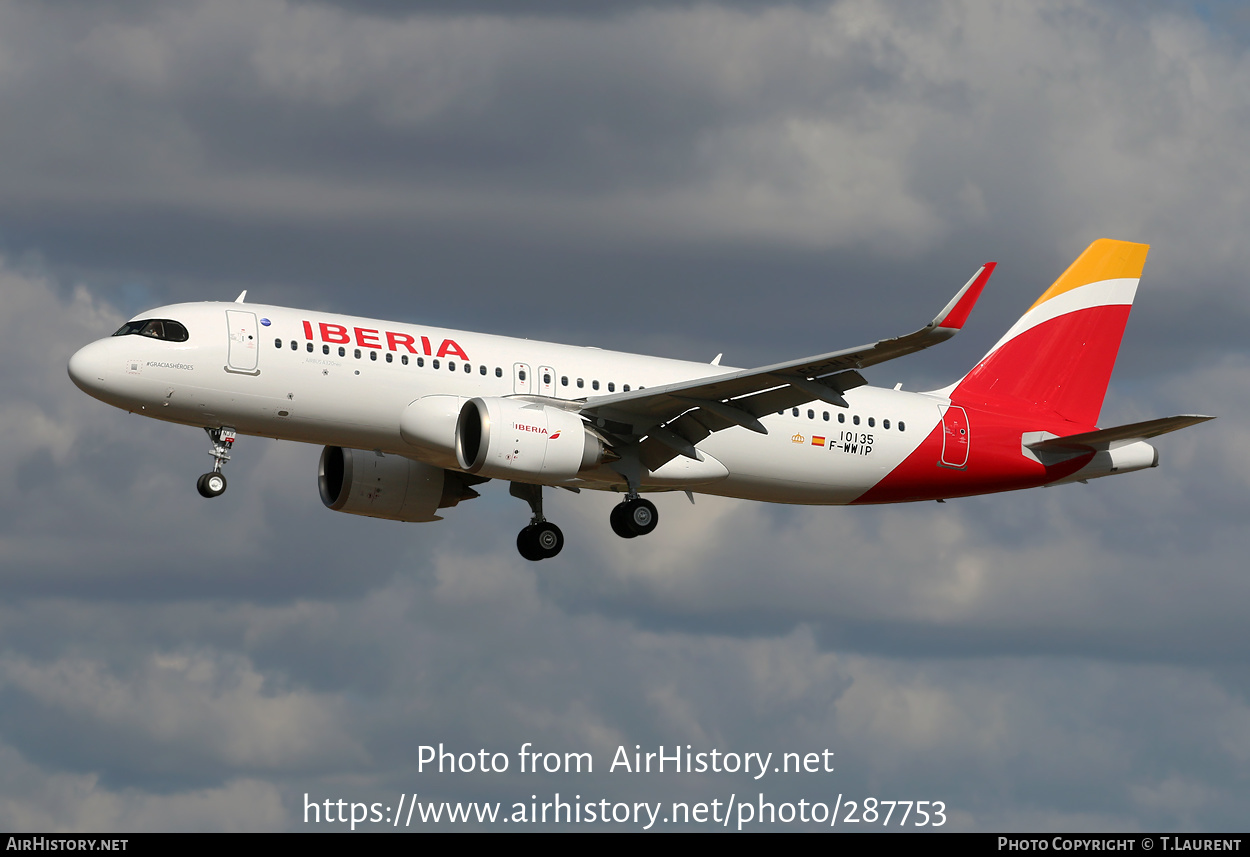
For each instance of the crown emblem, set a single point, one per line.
(798, 438)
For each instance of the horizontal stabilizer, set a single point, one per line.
(1117, 436)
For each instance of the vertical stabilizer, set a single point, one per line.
(1058, 357)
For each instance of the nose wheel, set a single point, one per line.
(214, 484)
(634, 517)
(211, 485)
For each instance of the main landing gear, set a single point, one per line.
(541, 539)
(634, 517)
(214, 484)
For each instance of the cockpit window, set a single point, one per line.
(157, 328)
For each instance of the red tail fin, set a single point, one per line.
(1058, 357)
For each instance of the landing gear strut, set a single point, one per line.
(633, 516)
(214, 484)
(541, 539)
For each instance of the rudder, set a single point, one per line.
(1059, 356)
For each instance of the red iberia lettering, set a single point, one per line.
(366, 338)
(334, 333)
(449, 346)
(394, 340)
(523, 427)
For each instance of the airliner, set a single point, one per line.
(412, 418)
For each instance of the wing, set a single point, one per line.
(671, 419)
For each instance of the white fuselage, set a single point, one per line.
(344, 381)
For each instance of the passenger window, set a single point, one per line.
(342, 351)
(855, 419)
(611, 387)
(451, 365)
(520, 375)
(357, 353)
(498, 372)
(580, 383)
(625, 389)
(901, 426)
(483, 368)
(594, 385)
(826, 416)
(546, 378)
(294, 345)
(310, 348)
(373, 355)
(403, 358)
(468, 370)
(277, 343)
(434, 363)
(885, 424)
(841, 418)
(564, 380)
(811, 415)
(390, 358)
(421, 361)
(872, 422)
(794, 411)
(325, 349)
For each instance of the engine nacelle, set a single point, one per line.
(388, 486)
(506, 439)
(429, 425)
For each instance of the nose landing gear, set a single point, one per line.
(214, 484)
(211, 485)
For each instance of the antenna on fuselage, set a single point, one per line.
(241, 296)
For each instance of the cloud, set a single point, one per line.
(860, 124)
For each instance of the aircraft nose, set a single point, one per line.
(87, 368)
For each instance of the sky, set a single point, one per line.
(683, 179)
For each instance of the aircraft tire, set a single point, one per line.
(527, 544)
(641, 516)
(211, 485)
(620, 521)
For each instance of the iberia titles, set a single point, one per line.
(365, 337)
